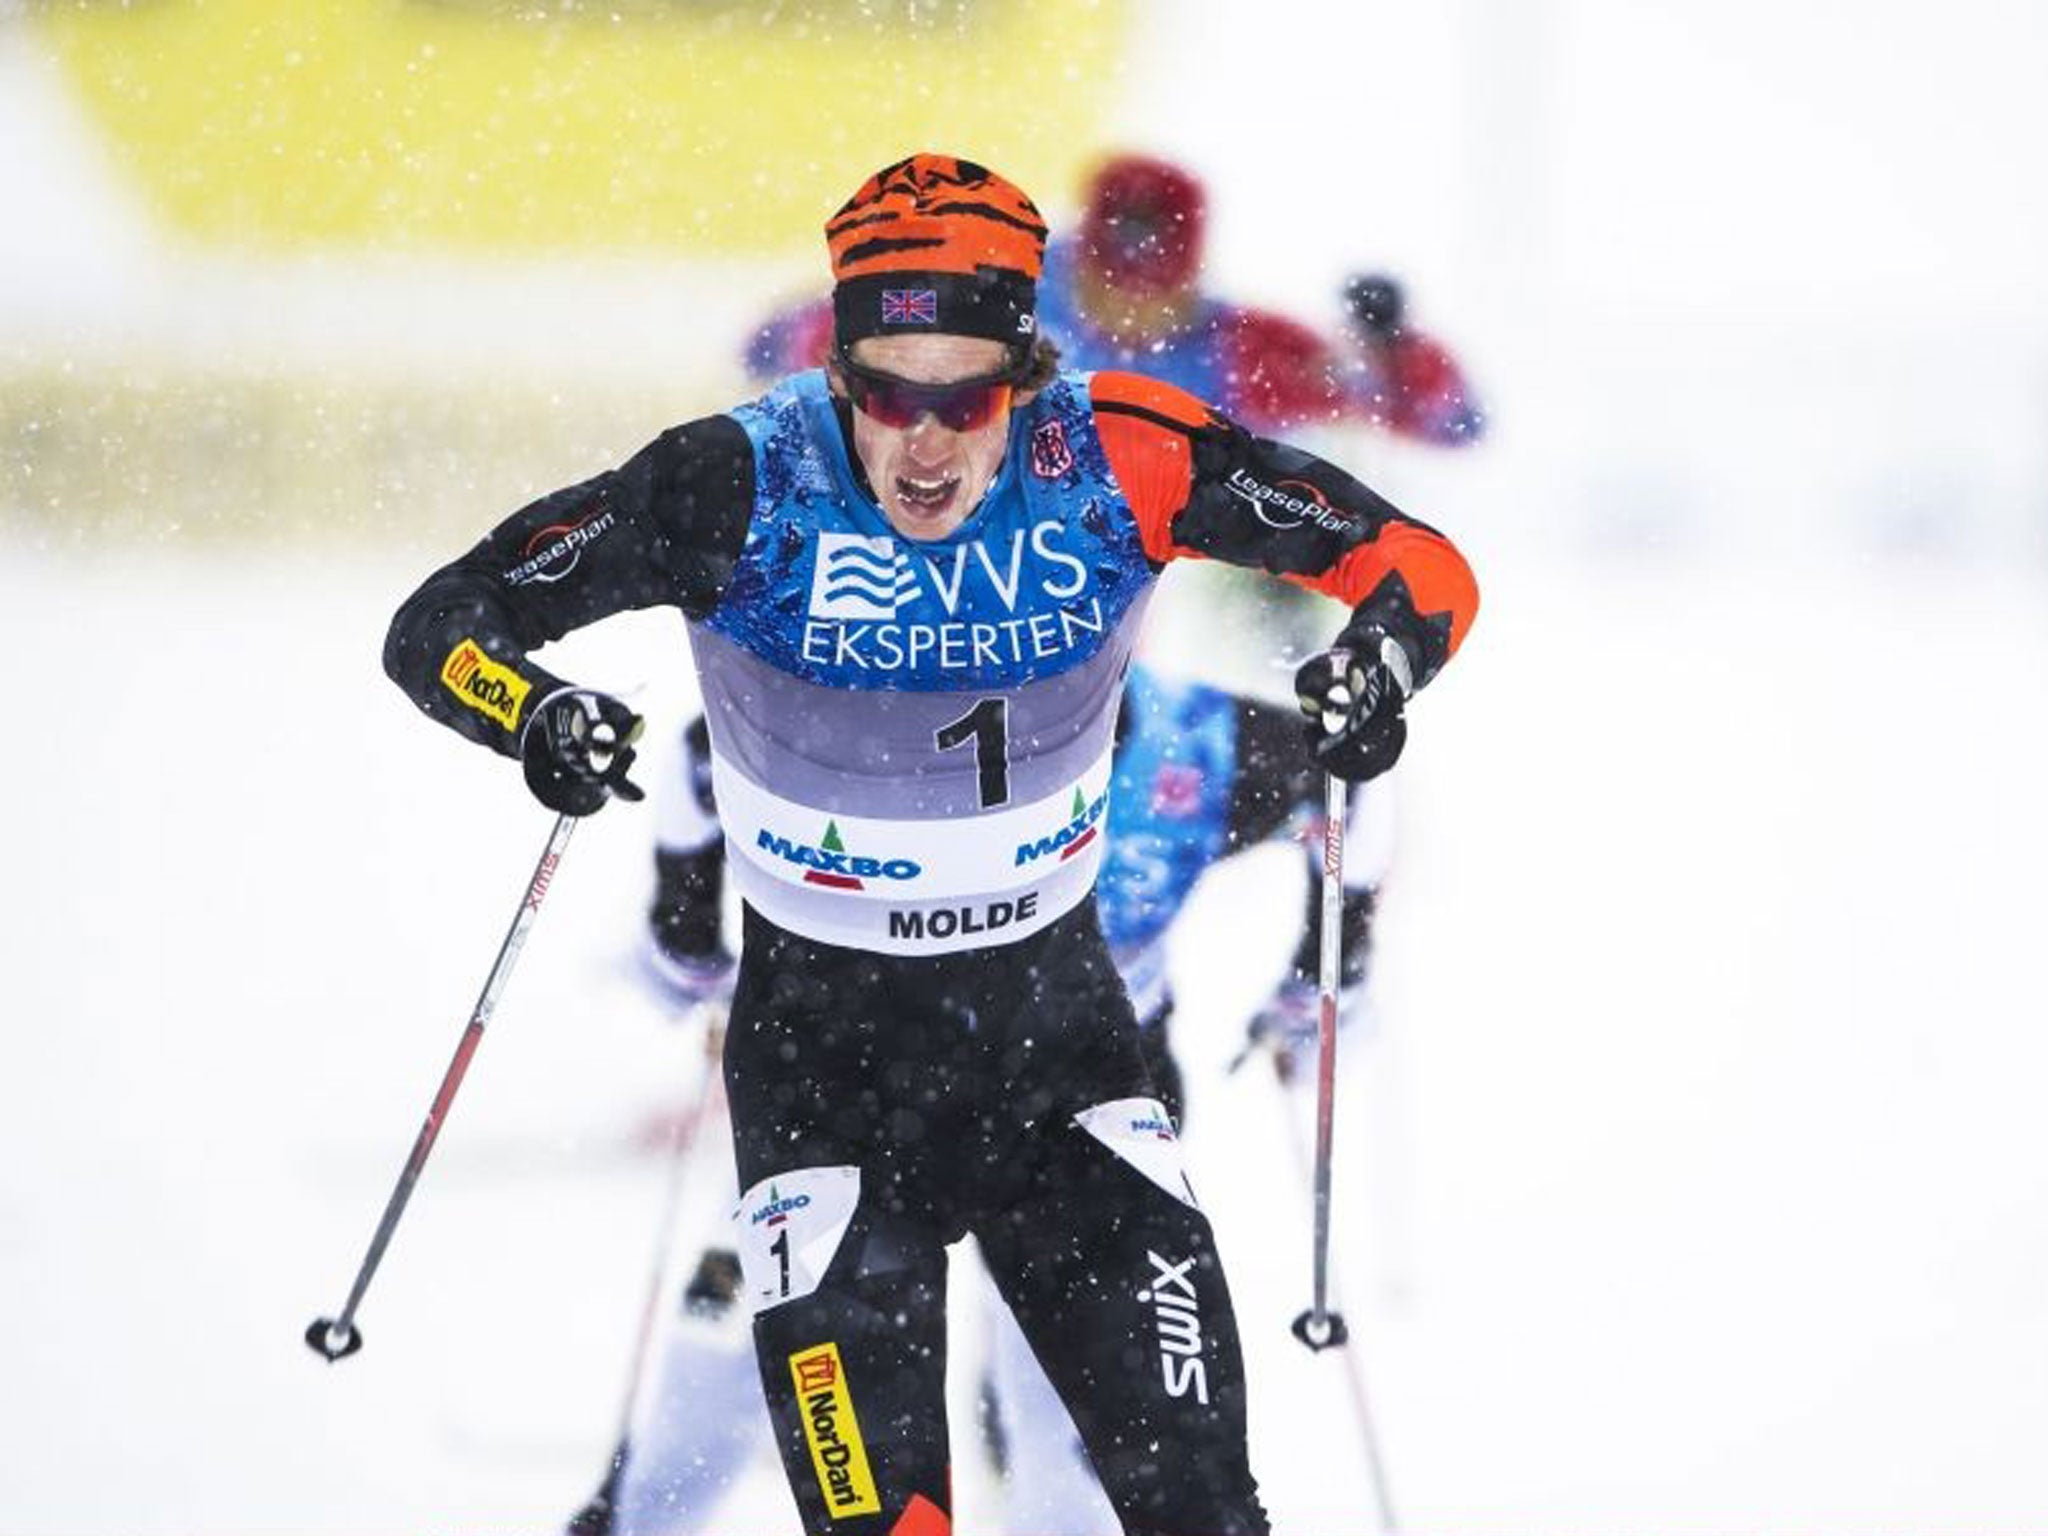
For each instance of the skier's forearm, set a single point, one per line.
(664, 527)
(1264, 504)
(458, 653)
(1200, 484)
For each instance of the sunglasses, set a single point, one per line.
(961, 405)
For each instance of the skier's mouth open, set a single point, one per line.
(928, 495)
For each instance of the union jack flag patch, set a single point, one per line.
(910, 306)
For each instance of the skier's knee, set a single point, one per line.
(1140, 1134)
(809, 1229)
(790, 1227)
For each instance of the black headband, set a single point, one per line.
(994, 302)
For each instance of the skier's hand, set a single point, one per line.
(1289, 1026)
(577, 748)
(1352, 696)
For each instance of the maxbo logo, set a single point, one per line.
(1077, 834)
(489, 687)
(827, 862)
(777, 1209)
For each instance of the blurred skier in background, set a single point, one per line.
(1199, 775)
(1126, 292)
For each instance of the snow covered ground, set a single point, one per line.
(1695, 1179)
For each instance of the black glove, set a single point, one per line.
(576, 748)
(1353, 695)
(1375, 305)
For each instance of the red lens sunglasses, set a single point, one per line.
(960, 405)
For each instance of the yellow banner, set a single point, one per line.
(688, 125)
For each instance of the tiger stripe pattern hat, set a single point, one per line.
(936, 244)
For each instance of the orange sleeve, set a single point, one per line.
(1148, 432)
(1438, 579)
(1144, 427)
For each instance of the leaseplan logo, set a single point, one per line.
(827, 863)
(859, 578)
(554, 551)
(1288, 504)
(1077, 834)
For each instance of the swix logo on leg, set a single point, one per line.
(1177, 1314)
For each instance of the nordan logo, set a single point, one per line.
(832, 1431)
(827, 863)
(1077, 834)
(486, 686)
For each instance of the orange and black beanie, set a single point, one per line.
(938, 245)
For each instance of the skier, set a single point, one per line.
(914, 579)
(1126, 292)
(1197, 775)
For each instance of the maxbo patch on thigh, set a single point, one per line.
(1140, 1133)
(788, 1228)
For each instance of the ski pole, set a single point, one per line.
(1354, 1373)
(1320, 1328)
(338, 1337)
